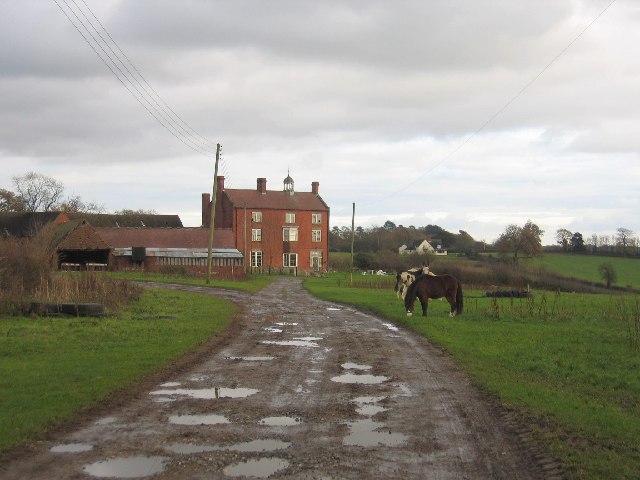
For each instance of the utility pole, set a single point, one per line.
(213, 214)
(353, 236)
(244, 229)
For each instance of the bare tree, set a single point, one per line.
(520, 241)
(623, 238)
(563, 237)
(38, 192)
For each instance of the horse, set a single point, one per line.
(434, 286)
(406, 278)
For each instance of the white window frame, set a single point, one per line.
(256, 217)
(256, 258)
(256, 234)
(290, 217)
(316, 218)
(316, 235)
(289, 234)
(289, 259)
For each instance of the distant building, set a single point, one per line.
(284, 230)
(423, 247)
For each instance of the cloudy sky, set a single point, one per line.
(467, 114)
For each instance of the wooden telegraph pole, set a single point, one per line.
(353, 236)
(213, 214)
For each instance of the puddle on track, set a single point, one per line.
(208, 393)
(170, 384)
(71, 448)
(251, 359)
(205, 419)
(355, 366)
(284, 324)
(260, 468)
(254, 446)
(370, 410)
(131, 467)
(273, 330)
(390, 326)
(333, 309)
(106, 421)
(290, 343)
(364, 434)
(360, 379)
(281, 421)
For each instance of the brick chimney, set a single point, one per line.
(262, 185)
(220, 184)
(206, 209)
(314, 187)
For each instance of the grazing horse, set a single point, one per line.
(405, 279)
(434, 286)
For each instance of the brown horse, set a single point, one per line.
(434, 286)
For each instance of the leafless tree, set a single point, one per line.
(38, 192)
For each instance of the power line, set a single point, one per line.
(136, 84)
(501, 109)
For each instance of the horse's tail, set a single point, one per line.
(459, 300)
(410, 297)
(396, 286)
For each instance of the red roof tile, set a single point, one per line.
(275, 199)
(165, 237)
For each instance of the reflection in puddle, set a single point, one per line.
(206, 419)
(209, 393)
(255, 446)
(132, 467)
(164, 400)
(284, 324)
(251, 359)
(364, 434)
(170, 384)
(355, 366)
(273, 330)
(367, 399)
(72, 448)
(290, 343)
(261, 468)
(370, 410)
(281, 421)
(390, 326)
(361, 379)
(106, 421)
(333, 309)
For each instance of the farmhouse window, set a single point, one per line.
(256, 234)
(289, 217)
(316, 235)
(316, 218)
(256, 258)
(256, 217)
(290, 234)
(290, 260)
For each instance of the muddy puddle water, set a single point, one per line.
(205, 419)
(260, 468)
(365, 433)
(297, 342)
(251, 359)
(254, 446)
(130, 467)
(208, 393)
(360, 379)
(72, 448)
(355, 366)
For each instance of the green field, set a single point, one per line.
(568, 362)
(585, 267)
(52, 367)
(253, 283)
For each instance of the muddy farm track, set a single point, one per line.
(300, 388)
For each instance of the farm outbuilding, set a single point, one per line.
(150, 249)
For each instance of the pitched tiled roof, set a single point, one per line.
(26, 224)
(164, 237)
(83, 237)
(276, 200)
(134, 220)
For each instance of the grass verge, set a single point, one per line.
(253, 283)
(568, 362)
(52, 367)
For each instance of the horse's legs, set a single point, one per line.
(425, 305)
(451, 298)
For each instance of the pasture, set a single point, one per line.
(52, 367)
(568, 363)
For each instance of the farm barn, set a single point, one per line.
(283, 230)
(151, 249)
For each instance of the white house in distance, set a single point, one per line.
(423, 247)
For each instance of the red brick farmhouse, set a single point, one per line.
(282, 230)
